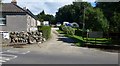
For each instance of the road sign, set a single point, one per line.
(95, 34)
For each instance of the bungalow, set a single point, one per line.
(14, 18)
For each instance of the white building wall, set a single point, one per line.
(31, 23)
(19, 23)
(38, 23)
(15, 23)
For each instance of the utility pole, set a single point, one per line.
(83, 29)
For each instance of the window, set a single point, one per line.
(2, 21)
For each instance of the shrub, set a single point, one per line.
(61, 27)
(78, 32)
(68, 30)
(46, 30)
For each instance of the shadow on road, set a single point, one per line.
(66, 39)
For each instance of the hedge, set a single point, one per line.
(67, 30)
(46, 30)
(78, 32)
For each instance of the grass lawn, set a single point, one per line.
(81, 41)
(61, 32)
(98, 40)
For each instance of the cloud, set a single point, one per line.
(89, 0)
(36, 6)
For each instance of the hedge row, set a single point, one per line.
(68, 30)
(46, 30)
(78, 32)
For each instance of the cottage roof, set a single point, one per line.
(14, 8)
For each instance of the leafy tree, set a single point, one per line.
(116, 22)
(111, 11)
(46, 17)
(95, 20)
(94, 17)
(41, 16)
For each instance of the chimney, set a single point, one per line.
(25, 8)
(14, 2)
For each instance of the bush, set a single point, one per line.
(46, 30)
(68, 30)
(78, 32)
(61, 27)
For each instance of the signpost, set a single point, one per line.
(95, 34)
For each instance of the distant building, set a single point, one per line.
(38, 23)
(58, 24)
(15, 18)
(64, 23)
(46, 23)
(74, 25)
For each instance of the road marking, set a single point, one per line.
(4, 58)
(1, 61)
(111, 53)
(18, 52)
(26, 52)
(7, 57)
(10, 56)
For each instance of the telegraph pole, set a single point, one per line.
(83, 29)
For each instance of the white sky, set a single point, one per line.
(49, 6)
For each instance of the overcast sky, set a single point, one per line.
(49, 6)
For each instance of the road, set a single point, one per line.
(56, 51)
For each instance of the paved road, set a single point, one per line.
(7, 54)
(56, 51)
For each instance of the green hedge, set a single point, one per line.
(61, 27)
(46, 30)
(67, 30)
(78, 32)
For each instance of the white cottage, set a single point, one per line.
(15, 18)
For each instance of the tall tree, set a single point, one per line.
(72, 12)
(83, 12)
(95, 20)
(46, 17)
(111, 11)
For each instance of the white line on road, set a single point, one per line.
(6, 55)
(11, 56)
(2, 61)
(111, 53)
(4, 58)
(1, 52)
(18, 52)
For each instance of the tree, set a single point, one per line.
(46, 17)
(111, 11)
(41, 16)
(72, 12)
(95, 20)
(116, 22)
(94, 17)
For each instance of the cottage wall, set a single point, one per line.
(15, 23)
(31, 23)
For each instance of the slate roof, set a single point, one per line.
(9, 7)
(13, 8)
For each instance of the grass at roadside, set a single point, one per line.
(81, 41)
(61, 32)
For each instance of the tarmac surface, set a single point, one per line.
(55, 51)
